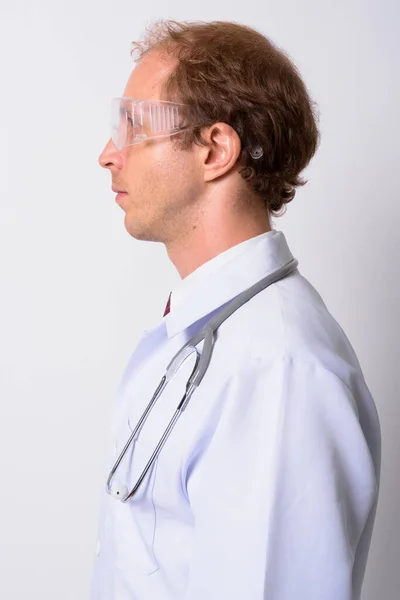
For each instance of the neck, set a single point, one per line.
(211, 233)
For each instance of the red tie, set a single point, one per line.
(168, 305)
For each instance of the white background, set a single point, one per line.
(76, 290)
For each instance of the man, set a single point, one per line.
(266, 486)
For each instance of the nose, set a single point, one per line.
(111, 157)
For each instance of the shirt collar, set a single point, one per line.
(223, 277)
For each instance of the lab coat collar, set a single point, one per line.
(222, 284)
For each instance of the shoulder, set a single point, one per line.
(294, 322)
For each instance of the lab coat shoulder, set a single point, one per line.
(284, 488)
(293, 319)
(304, 328)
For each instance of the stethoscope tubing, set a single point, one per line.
(199, 370)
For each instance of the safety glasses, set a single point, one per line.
(134, 121)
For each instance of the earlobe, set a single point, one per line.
(223, 150)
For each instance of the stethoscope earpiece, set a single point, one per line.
(256, 153)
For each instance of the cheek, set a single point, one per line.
(161, 171)
(177, 170)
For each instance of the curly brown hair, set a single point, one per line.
(232, 73)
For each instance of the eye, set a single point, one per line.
(132, 123)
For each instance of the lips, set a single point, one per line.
(114, 189)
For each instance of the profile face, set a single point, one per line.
(159, 179)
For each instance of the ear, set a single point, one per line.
(222, 150)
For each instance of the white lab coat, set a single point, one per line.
(267, 486)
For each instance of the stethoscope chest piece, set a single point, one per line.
(118, 490)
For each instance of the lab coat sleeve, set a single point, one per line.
(282, 492)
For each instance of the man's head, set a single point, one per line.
(241, 93)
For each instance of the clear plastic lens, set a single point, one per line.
(118, 124)
(134, 121)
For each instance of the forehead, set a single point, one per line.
(145, 81)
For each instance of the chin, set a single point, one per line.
(138, 230)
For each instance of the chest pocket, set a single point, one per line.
(134, 521)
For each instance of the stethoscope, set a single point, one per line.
(201, 365)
